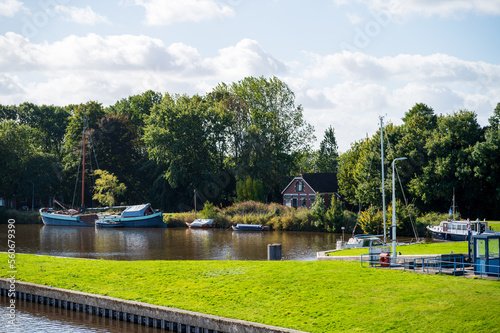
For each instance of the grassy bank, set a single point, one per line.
(309, 296)
(20, 216)
(414, 249)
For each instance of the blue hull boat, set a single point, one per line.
(250, 227)
(140, 216)
(50, 217)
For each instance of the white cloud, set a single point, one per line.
(9, 85)
(10, 7)
(431, 68)
(81, 15)
(107, 68)
(427, 8)
(165, 12)
(246, 58)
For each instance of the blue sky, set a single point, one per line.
(347, 61)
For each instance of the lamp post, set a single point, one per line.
(343, 228)
(393, 233)
(32, 196)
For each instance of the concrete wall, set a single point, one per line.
(170, 319)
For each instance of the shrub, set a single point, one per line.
(371, 220)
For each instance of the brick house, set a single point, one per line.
(303, 189)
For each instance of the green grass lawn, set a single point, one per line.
(495, 225)
(315, 296)
(414, 249)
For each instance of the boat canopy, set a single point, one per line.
(137, 210)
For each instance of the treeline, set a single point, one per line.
(244, 141)
(446, 154)
(162, 147)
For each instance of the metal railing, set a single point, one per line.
(445, 264)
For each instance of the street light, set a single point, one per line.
(393, 233)
(33, 196)
(343, 228)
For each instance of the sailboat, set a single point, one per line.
(71, 217)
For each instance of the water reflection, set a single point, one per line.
(164, 244)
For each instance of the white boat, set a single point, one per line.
(360, 241)
(457, 230)
(250, 227)
(201, 223)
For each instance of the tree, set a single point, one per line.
(177, 136)
(349, 172)
(106, 188)
(371, 221)
(334, 215)
(50, 120)
(19, 143)
(249, 189)
(449, 150)
(327, 159)
(136, 107)
(486, 157)
(118, 149)
(268, 130)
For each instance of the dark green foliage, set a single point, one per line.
(249, 189)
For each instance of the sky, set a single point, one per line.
(348, 62)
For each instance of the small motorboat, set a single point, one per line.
(359, 241)
(201, 223)
(250, 227)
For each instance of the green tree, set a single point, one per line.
(268, 132)
(334, 215)
(371, 221)
(486, 157)
(19, 143)
(107, 187)
(249, 189)
(449, 165)
(328, 152)
(178, 137)
(51, 121)
(136, 107)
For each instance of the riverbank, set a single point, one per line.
(307, 296)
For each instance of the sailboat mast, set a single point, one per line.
(453, 204)
(383, 178)
(83, 164)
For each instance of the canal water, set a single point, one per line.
(33, 317)
(164, 244)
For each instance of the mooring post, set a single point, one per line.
(274, 252)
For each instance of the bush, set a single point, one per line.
(21, 217)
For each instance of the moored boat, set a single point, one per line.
(250, 227)
(360, 241)
(201, 223)
(457, 230)
(67, 218)
(138, 216)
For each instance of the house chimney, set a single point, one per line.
(300, 172)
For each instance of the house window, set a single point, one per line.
(299, 186)
(303, 201)
(288, 200)
(2, 202)
(312, 199)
